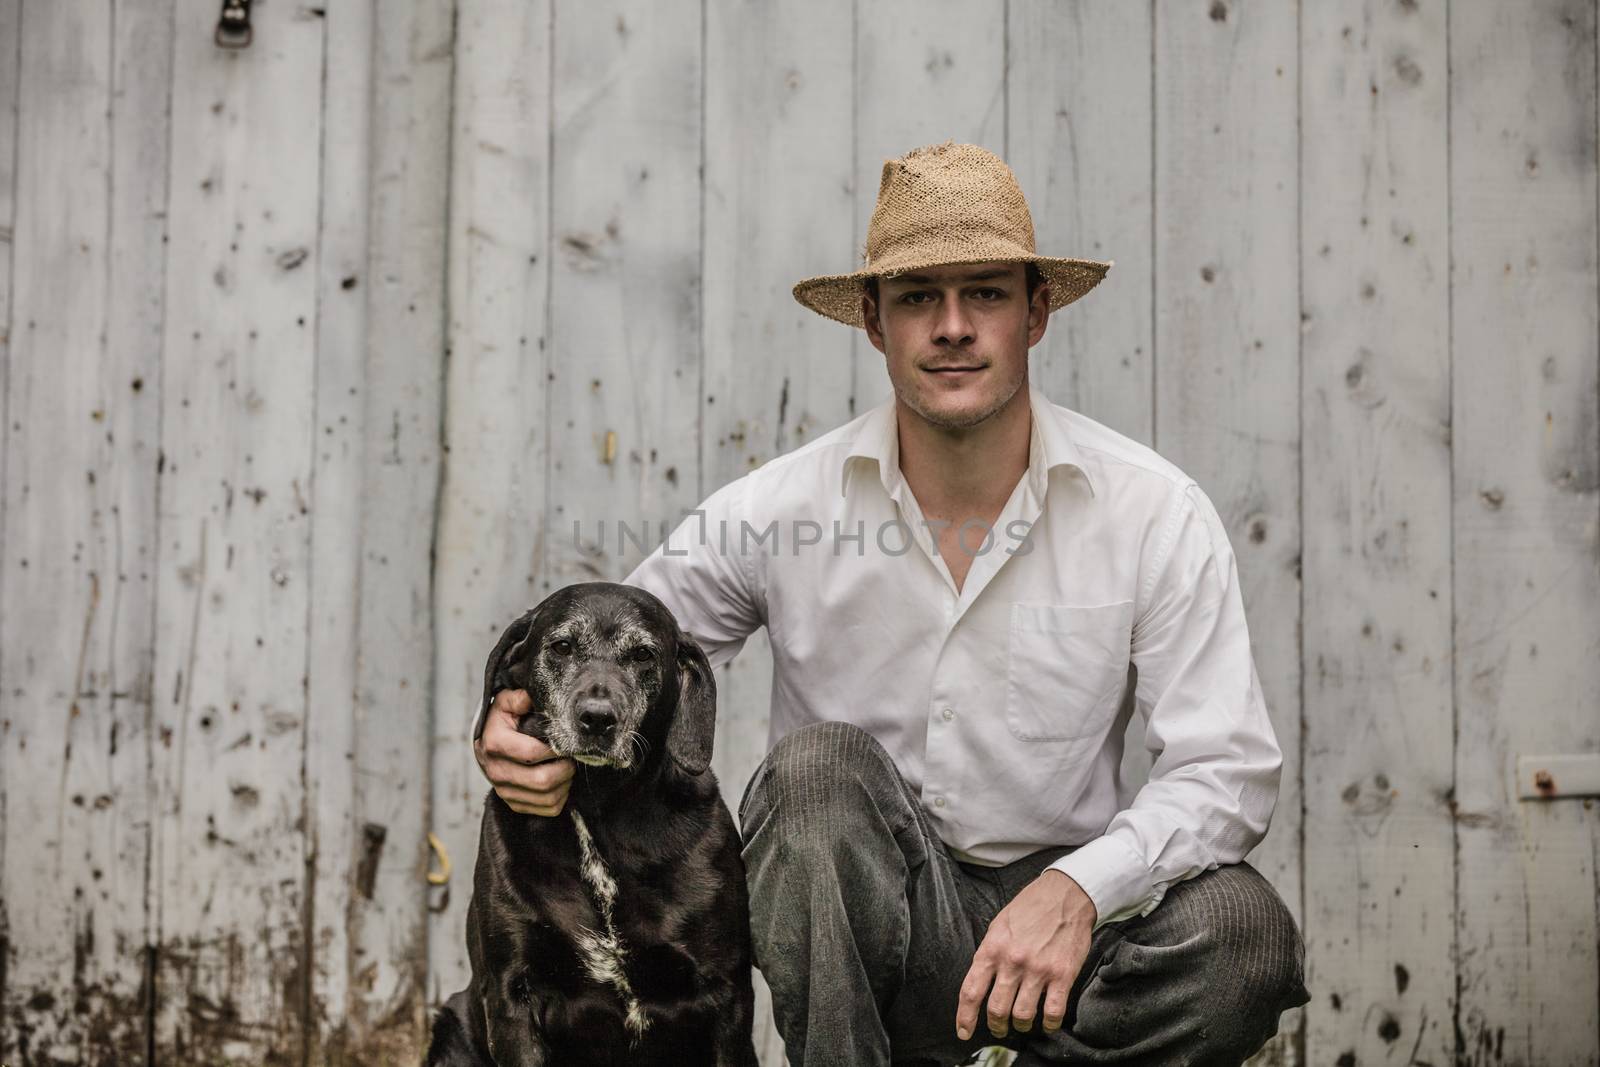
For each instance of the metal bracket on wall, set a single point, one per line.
(1557, 777)
(233, 28)
(442, 875)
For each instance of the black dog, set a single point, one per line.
(617, 932)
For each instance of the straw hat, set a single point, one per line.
(941, 205)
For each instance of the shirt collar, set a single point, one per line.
(1049, 446)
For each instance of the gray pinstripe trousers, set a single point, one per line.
(864, 927)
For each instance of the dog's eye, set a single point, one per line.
(561, 648)
(642, 654)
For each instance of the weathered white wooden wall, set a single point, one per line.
(222, 456)
(315, 354)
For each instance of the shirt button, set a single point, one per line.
(938, 802)
(948, 713)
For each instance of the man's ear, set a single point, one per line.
(869, 316)
(507, 667)
(694, 726)
(1038, 312)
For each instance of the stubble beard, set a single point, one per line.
(959, 420)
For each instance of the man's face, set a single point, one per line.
(956, 338)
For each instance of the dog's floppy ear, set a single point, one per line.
(507, 667)
(689, 739)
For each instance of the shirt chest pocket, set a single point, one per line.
(1066, 669)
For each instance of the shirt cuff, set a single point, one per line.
(1114, 876)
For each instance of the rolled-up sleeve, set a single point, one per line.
(1214, 783)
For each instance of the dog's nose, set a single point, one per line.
(595, 716)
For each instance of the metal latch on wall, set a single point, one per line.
(1556, 777)
(233, 28)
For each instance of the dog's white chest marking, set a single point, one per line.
(602, 950)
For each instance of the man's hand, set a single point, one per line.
(524, 770)
(1034, 947)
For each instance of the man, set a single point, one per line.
(941, 854)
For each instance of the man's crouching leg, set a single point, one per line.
(855, 907)
(1201, 980)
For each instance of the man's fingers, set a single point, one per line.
(1001, 999)
(527, 802)
(519, 748)
(1027, 1005)
(514, 702)
(549, 801)
(551, 774)
(973, 987)
(500, 734)
(540, 778)
(1034, 946)
(1055, 1005)
(525, 772)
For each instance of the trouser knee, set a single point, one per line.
(815, 780)
(1256, 937)
(1254, 969)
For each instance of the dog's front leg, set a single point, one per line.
(736, 1050)
(735, 1046)
(511, 1021)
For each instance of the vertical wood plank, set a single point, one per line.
(10, 75)
(405, 365)
(55, 585)
(380, 375)
(491, 509)
(1526, 521)
(141, 136)
(927, 71)
(234, 562)
(1227, 339)
(779, 205)
(80, 524)
(624, 415)
(1374, 258)
(333, 649)
(1079, 141)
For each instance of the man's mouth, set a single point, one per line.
(954, 371)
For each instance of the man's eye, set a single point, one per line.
(990, 294)
(561, 648)
(642, 655)
(916, 298)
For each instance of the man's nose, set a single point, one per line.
(954, 327)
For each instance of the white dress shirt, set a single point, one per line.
(1003, 703)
